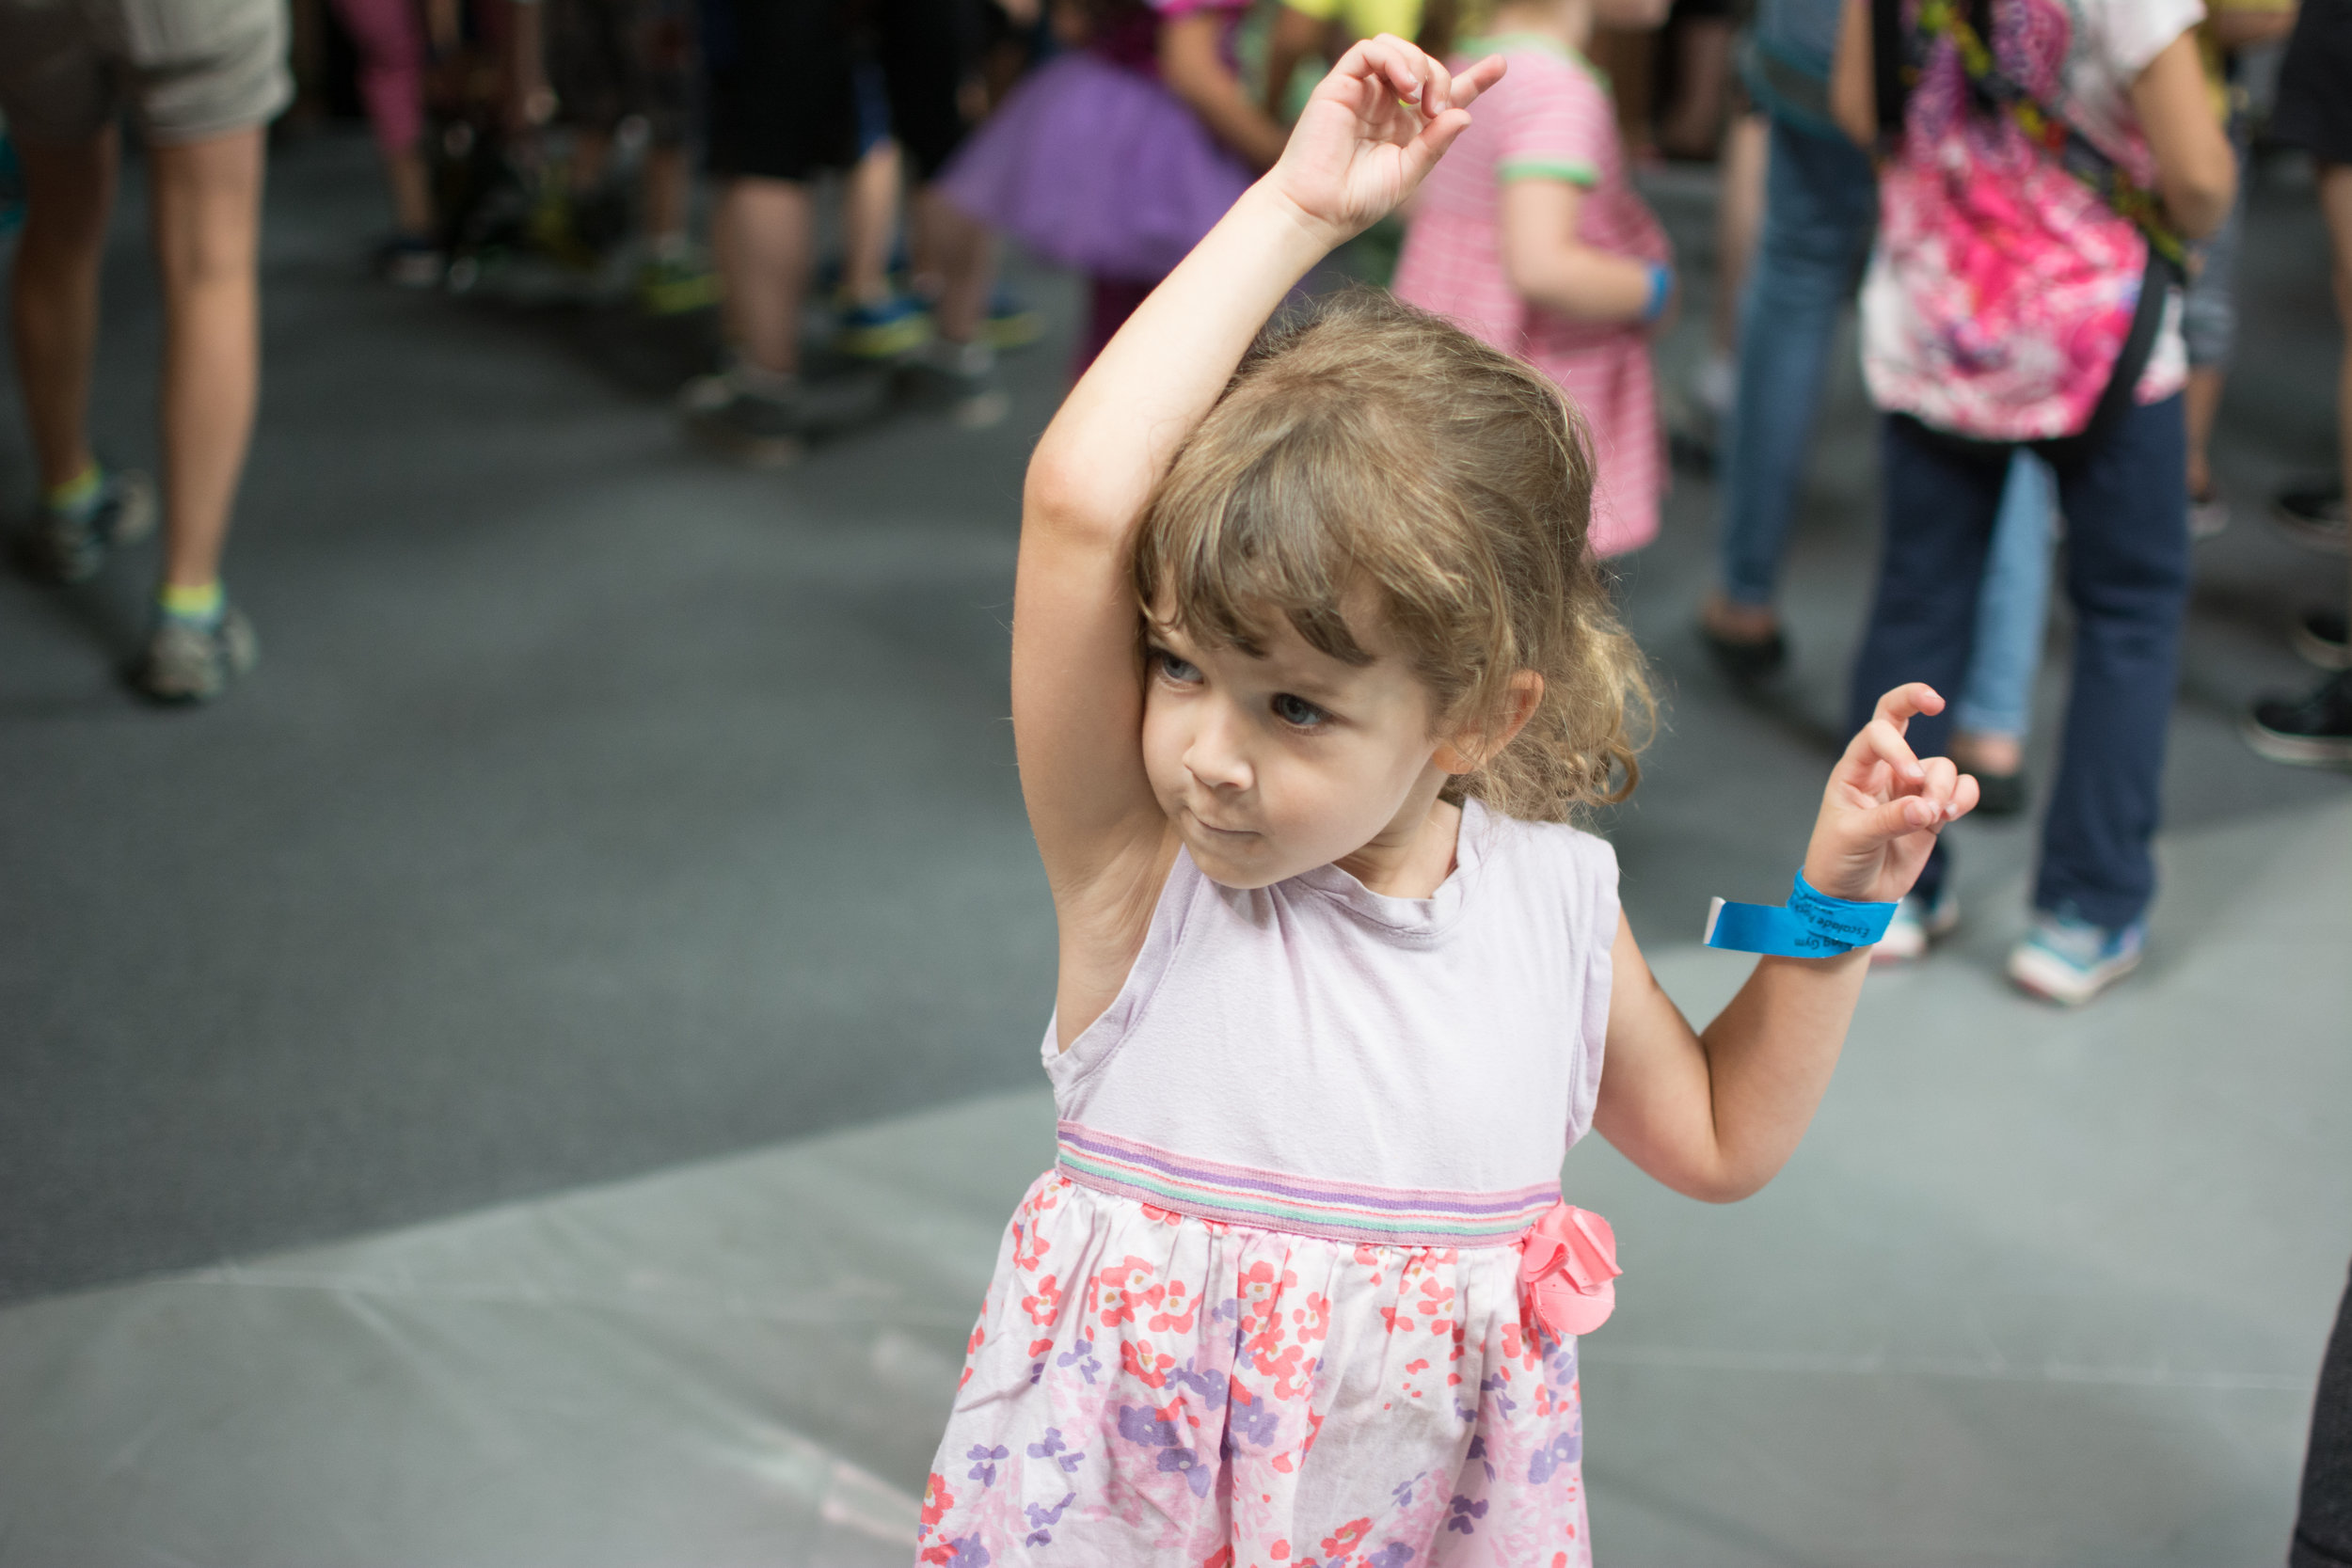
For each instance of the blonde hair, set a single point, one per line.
(1367, 449)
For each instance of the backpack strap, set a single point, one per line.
(1893, 68)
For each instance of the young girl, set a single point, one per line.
(1310, 661)
(1532, 236)
(1115, 158)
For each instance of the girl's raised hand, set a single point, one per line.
(1375, 125)
(1883, 806)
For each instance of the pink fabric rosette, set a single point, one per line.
(1568, 1269)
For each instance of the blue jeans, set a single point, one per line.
(2014, 607)
(1820, 208)
(2126, 503)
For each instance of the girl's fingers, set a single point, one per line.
(1423, 153)
(1477, 79)
(1900, 706)
(1882, 741)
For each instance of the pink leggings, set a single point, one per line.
(390, 39)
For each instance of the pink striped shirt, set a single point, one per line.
(1549, 119)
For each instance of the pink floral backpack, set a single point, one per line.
(2039, 265)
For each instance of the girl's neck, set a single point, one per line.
(1566, 22)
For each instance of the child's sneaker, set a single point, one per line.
(1012, 322)
(886, 329)
(2313, 731)
(2069, 961)
(965, 376)
(69, 544)
(1917, 926)
(193, 661)
(674, 285)
(764, 419)
(2208, 516)
(411, 261)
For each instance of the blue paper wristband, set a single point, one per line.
(1811, 926)
(1661, 288)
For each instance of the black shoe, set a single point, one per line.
(2319, 638)
(2001, 794)
(2312, 515)
(1746, 660)
(2314, 731)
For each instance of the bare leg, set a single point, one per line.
(412, 191)
(1702, 84)
(206, 209)
(668, 185)
(592, 152)
(69, 191)
(764, 248)
(2200, 405)
(869, 220)
(1987, 753)
(965, 256)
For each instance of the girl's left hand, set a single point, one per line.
(1883, 806)
(1375, 125)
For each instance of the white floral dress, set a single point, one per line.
(1225, 1362)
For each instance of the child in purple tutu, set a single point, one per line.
(1118, 157)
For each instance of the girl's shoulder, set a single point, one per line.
(1553, 862)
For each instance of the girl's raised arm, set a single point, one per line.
(1363, 142)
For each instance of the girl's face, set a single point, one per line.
(1273, 766)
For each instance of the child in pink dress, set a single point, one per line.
(1532, 237)
(1337, 976)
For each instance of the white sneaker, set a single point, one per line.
(2069, 961)
(1917, 925)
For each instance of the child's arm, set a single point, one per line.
(2196, 171)
(1715, 1115)
(1853, 93)
(1192, 63)
(1548, 267)
(1077, 695)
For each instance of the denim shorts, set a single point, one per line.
(189, 70)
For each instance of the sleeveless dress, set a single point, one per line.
(1266, 1307)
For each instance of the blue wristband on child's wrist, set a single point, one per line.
(1661, 288)
(1811, 926)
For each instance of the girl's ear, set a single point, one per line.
(1468, 752)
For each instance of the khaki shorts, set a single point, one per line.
(190, 70)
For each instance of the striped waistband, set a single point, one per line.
(1307, 1206)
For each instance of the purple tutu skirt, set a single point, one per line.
(1096, 168)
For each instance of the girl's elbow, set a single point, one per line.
(1728, 1189)
(2201, 206)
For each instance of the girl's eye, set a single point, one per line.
(1175, 669)
(1297, 711)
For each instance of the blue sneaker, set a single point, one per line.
(885, 330)
(2069, 961)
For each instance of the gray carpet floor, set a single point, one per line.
(599, 807)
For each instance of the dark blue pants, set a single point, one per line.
(2126, 510)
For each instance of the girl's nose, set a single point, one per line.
(1217, 756)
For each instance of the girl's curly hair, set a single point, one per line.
(1364, 448)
